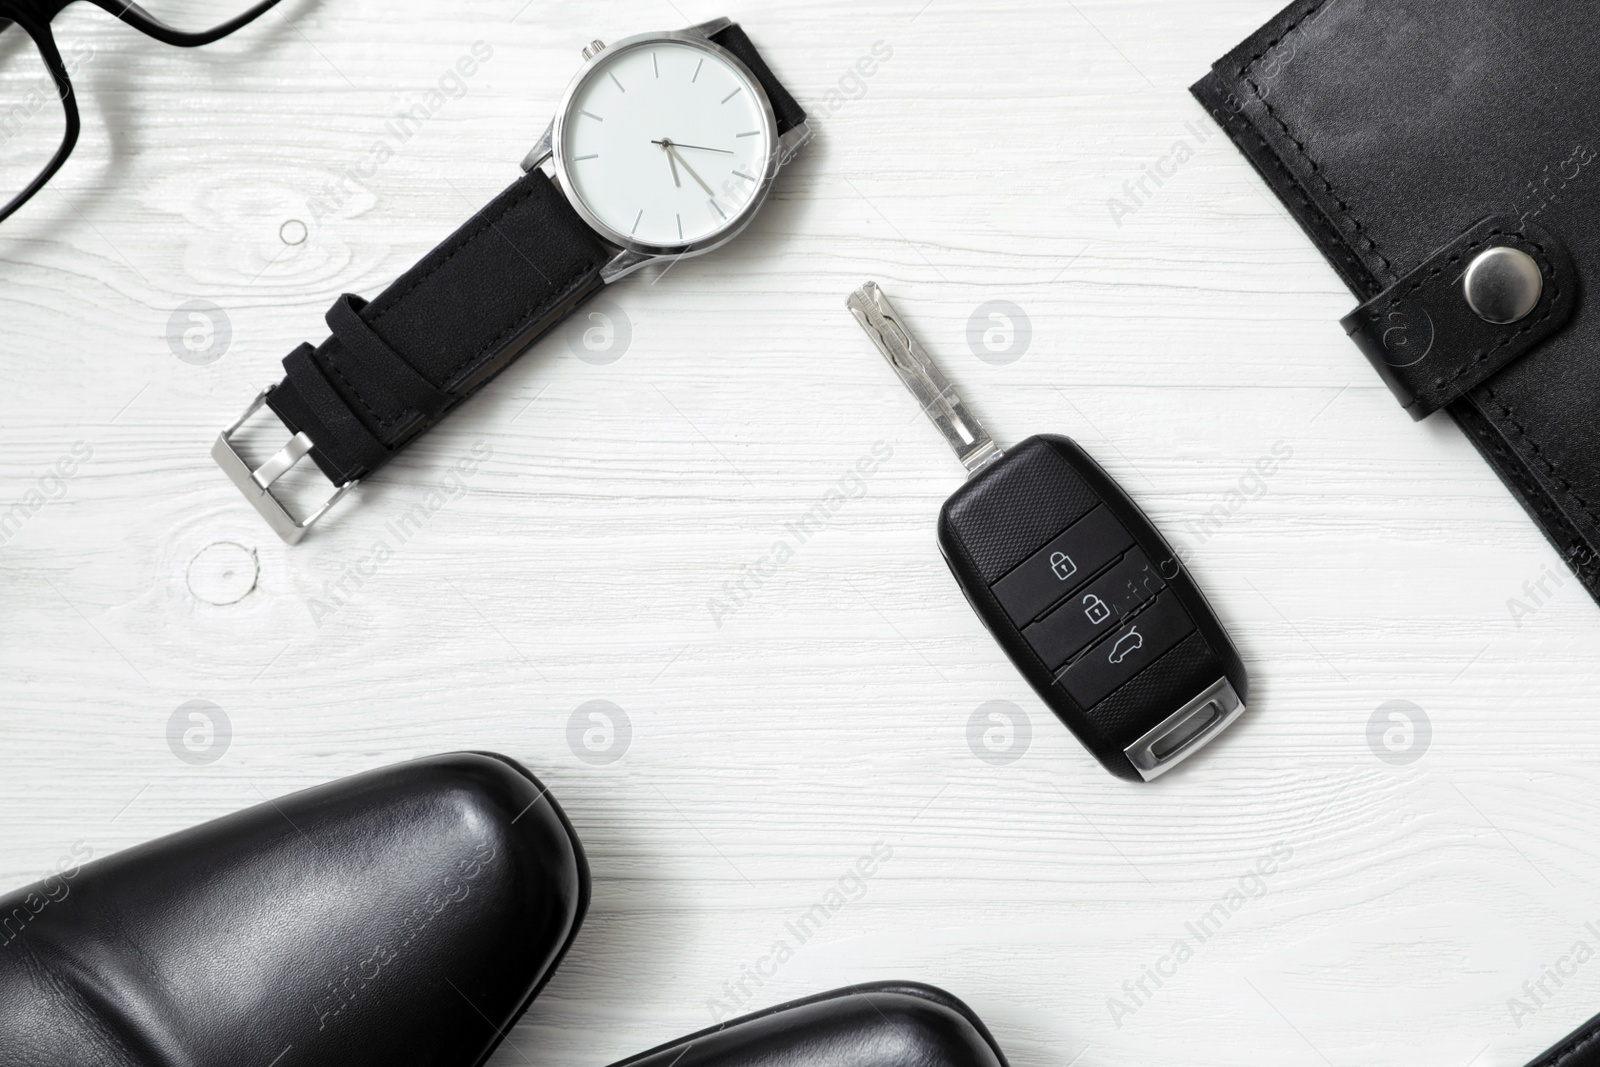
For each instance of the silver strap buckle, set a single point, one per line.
(256, 483)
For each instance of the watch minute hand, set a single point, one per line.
(672, 150)
(696, 147)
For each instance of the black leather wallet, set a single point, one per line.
(1581, 1048)
(1443, 156)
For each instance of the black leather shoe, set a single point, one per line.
(887, 1024)
(403, 916)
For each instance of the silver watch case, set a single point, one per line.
(634, 254)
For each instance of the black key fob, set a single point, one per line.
(1093, 607)
(1077, 585)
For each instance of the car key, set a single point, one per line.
(1075, 583)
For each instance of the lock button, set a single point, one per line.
(1098, 608)
(1058, 569)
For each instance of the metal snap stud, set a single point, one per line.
(1503, 286)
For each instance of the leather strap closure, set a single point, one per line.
(394, 367)
(1425, 340)
(320, 405)
(397, 386)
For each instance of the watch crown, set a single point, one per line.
(593, 49)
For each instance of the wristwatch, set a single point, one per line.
(664, 147)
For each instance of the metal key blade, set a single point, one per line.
(940, 402)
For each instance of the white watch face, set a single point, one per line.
(665, 143)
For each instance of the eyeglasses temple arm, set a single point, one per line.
(146, 23)
(69, 102)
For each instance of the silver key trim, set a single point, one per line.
(1186, 731)
(940, 402)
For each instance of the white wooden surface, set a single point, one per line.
(830, 711)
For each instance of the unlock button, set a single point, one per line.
(1095, 610)
(1059, 568)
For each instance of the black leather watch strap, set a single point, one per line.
(395, 366)
(788, 111)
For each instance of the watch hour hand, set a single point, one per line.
(671, 148)
(674, 151)
(672, 159)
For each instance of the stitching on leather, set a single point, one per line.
(1509, 417)
(1483, 356)
(466, 240)
(1534, 491)
(1310, 205)
(1585, 568)
(1436, 271)
(568, 286)
(379, 419)
(1316, 168)
(1564, 485)
(1337, 243)
(1580, 1041)
(1559, 521)
(1574, 1050)
(1439, 383)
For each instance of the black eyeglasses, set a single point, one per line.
(38, 110)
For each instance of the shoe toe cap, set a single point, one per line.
(403, 915)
